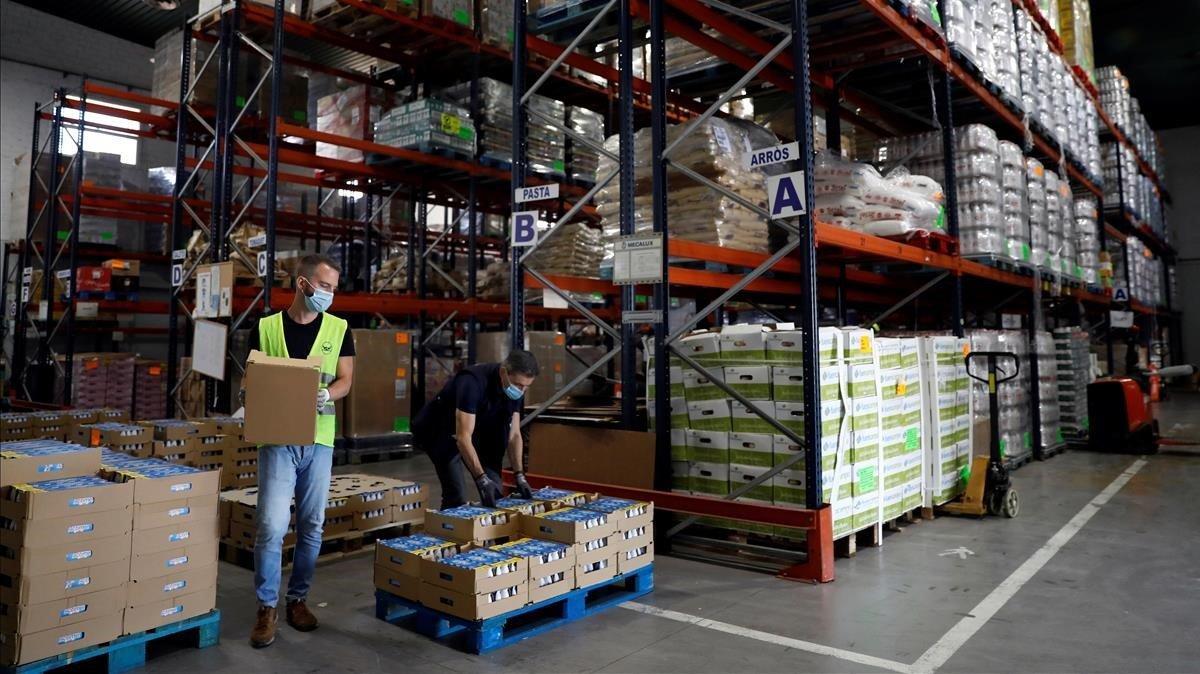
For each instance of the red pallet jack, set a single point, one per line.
(989, 489)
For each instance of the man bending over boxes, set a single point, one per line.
(473, 421)
(305, 330)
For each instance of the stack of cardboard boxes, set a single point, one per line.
(380, 400)
(96, 543)
(355, 503)
(213, 443)
(15, 426)
(173, 554)
(474, 562)
(150, 389)
(129, 438)
(49, 425)
(100, 380)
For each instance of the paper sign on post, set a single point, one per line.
(524, 228)
(785, 195)
(638, 259)
(535, 193)
(1120, 319)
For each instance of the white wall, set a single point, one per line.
(39, 52)
(1182, 148)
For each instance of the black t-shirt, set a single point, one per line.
(475, 390)
(300, 337)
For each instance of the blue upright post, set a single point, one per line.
(658, 143)
(629, 389)
(175, 234)
(516, 295)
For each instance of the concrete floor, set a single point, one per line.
(1119, 596)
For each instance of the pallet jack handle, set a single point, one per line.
(994, 357)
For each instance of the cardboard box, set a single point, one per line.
(173, 609)
(568, 525)
(744, 419)
(199, 509)
(156, 481)
(111, 434)
(524, 506)
(634, 558)
(159, 588)
(29, 647)
(551, 567)
(707, 446)
(71, 529)
(63, 556)
(381, 398)
(121, 267)
(475, 571)
(399, 584)
(16, 619)
(67, 497)
(33, 460)
(743, 345)
(752, 449)
(624, 513)
(244, 535)
(753, 382)
(195, 554)
(709, 415)
(280, 391)
(709, 478)
(365, 520)
(477, 606)
(595, 567)
(172, 429)
(466, 524)
(563, 498)
(698, 387)
(174, 536)
(703, 347)
(23, 590)
(550, 350)
(403, 555)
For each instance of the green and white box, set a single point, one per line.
(892, 384)
(704, 347)
(785, 448)
(912, 495)
(676, 381)
(784, 347)
(894, 474)
(741, 475)
(709, 415)
(890, 351)
(699, 387)
(863, 380)
(747, 420)
(679, 413)
(858, 345)
(752, 449)
(679, 444)
(864, 413)
(865, 445)
(866, 510)
(753, 382)
(914, 465)
(787, 487)
(709, 478)
(843, 517)
(708, 446)
(791, 415)
(893, 502)
(891, 441)
(681, 478)
(891, 413)
(787, 382)
(743, 345)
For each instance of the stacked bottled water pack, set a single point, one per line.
(1087, 239)
(1036, 208)
(1012, 396)
(1012, 202)
(1048, 409)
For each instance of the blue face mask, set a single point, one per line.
(513, 392)
(320, 300)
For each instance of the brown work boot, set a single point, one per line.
(263, 634)
(299, 617)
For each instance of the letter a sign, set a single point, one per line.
(524, 228)
(785, 195)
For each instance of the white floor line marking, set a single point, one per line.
(945, 648)
(939, 653)
(776, 639)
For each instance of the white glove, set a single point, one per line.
(322, 398)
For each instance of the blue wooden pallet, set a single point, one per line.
(129, 652)
(482, 636)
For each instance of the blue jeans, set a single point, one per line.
(284, 471)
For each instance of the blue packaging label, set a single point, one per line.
(416, 543)
(610, 505)
(49, 468)
(171, 611)
(68, 638)
(80, 529)
(179, 536)
(177, 585)
(76, 556)
(40, 448)
(590, 518)
(528, 547)
(467, 512)
(176, 561)
(552, 494)
(66, 483)
(178, 512)
(477, 558)
(73, 610)
(81, 501)
(77, 582)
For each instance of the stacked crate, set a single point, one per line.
(427, 124)
(475, 563)
(101, 380)
(1073, 372)
(15, 426)
(947, 424)
(172, 568)
(64, 559)
(150, 389)
(120, 437)
(900, 413)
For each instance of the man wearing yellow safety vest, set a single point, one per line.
(287, 471)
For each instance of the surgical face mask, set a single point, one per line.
(513, 392)
(320, 300)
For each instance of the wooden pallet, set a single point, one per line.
(904, 519)
(490, 634)
(847, 546)
(339, 546)
(353, 21)
(129, 652)
(932, 241)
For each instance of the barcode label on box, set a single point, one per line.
(176, 561)
(80, 529)
(68, 638)
(77, 582)
(177, 585)
(76, 556)
(171, 611)
(73, 610)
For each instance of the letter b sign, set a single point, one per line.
(524, 228)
